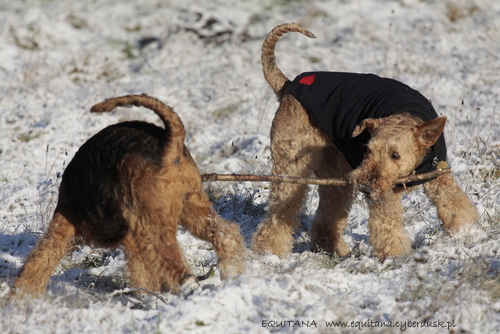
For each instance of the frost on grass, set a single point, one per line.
(202, 58)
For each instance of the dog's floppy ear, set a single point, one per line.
(429, 132)
(367, 124)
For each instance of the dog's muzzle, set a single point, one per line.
(365, 189)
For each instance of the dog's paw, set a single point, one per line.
(469, 234)
(189, 285)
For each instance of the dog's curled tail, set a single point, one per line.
(272, 73)
(171, 120)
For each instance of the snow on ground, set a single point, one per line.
(57, 58)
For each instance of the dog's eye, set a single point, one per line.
(395, 156)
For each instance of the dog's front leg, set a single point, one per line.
(387, 235)
(454, 209)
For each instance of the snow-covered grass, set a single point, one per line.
(57, 58)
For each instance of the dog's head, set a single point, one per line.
(398, 144)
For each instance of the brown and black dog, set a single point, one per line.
(131, 185)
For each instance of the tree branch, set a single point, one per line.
(302, 180)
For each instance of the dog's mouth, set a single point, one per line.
(365, 189)
(375, 188)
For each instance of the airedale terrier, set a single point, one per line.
(319, 128)
(131, 185)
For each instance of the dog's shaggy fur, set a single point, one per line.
(131, 185)
(300, 147)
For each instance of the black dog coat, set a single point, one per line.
(339, 101)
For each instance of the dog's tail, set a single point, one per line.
(171, 120)
(272, 73)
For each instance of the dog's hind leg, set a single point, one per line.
(154, 258)
(296, 148)
(35, 274)
(141, 254)
(175, 273)
(335, 203)
(199, 218)
(275, 234)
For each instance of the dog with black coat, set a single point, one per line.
(361, 127)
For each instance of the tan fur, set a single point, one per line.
(154, 202)
(300, 148)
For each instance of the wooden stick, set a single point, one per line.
(302, 180)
